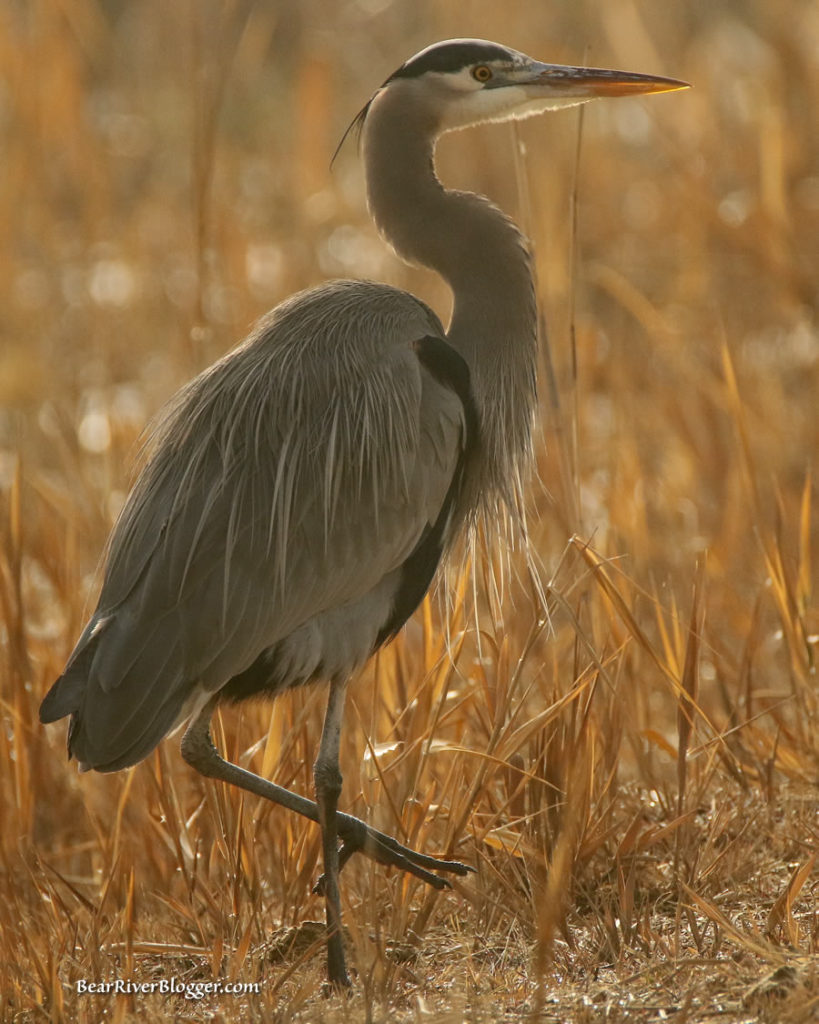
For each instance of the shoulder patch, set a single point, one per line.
(450, 369)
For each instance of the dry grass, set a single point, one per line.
(630, 763)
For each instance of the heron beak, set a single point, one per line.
(589, 83)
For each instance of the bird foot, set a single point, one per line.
(358, 837)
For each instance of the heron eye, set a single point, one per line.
(481, 73)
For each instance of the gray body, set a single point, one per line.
(302, 491)
(289, 485)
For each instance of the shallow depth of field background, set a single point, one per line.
(628, 752)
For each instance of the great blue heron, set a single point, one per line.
(302, 491)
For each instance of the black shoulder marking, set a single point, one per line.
(450, 369)
(450, 57)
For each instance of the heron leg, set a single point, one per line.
(327, 778)
(356, 835)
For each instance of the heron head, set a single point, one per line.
(470, 81)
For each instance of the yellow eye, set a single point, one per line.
(481, 73)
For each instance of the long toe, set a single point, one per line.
(358, 837)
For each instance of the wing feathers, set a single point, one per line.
(287, 480)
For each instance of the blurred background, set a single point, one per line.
(166, 178)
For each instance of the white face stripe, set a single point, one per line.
(463, 80)
(503, 73)
(470, 102)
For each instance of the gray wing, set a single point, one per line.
(287, 481)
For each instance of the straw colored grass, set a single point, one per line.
(616, 725)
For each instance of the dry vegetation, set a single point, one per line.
(628, 758)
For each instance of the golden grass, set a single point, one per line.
(628, 758)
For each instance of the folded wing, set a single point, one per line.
(287, 483)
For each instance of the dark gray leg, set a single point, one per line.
(356, 836)
(327, 777)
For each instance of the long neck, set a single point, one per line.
(484, 259)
